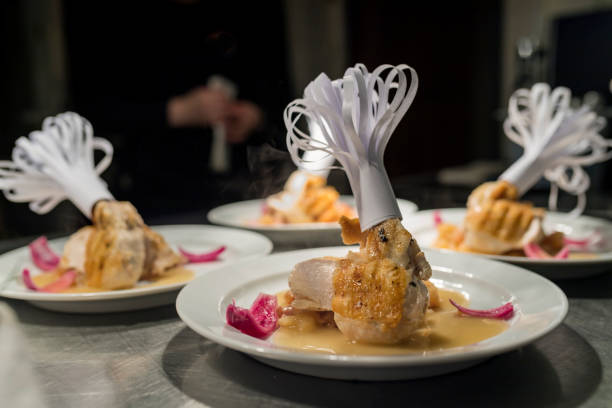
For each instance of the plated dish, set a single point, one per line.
(145, 292)
(244, 214)
(484, 283)
(581, 261)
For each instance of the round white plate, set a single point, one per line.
(540, 307)
(244, 214)
(197, 238)
(422, 227)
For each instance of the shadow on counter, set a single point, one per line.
(561, 369)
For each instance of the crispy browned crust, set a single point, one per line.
(505, 219)
(372, 290)
(121, 250)
(160, 258)
(351, 230)
(318, 203)
(371, 285)
(115, 252)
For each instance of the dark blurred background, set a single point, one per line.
(123, 65)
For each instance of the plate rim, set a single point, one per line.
(466, 353)
(603, 259)
(132, 292)
(212, 216)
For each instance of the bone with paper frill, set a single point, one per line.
(57, 163)
(557, 141)
(354, 118)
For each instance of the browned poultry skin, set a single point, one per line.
(389, 239)
(492, 208)
(121, 249)
(504, 219)
(115, 252)
(317, 203)
(369, 289)
(159, 256)
(371, 285)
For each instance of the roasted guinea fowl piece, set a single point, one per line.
(305, 198)
(119, 249)
(497, 223)
(159, 256)
(115, 253)
(377, 294)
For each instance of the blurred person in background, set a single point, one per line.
(139, 71)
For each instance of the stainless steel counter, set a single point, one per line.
(150, 358)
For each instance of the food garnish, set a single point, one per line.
(437, 218)
(534, 251)
(593, 240)
(259, 321)
(558, 141)
(64, 282)
(503, 312)
(43, 256)
(203, 257)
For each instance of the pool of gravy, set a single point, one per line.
(176, 275)
(445, 328)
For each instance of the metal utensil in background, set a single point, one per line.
(220, 159)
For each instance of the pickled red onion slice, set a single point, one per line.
(577, 242)
(259, 321)
(27, 280)
(437, 218)
(534, 251)
(64, 282)
(595, 239)
(205, 257)
(42, 255)
(503, 312)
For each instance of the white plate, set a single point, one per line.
(198, 238)
(421, 225)
(244, 214)
(540, 307)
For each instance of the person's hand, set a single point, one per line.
(241, 119)
(199, 107)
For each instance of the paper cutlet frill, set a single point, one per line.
(352, 119)
(557, 142)
(57, 163)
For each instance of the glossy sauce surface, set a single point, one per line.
(445, 328)
(176, 275)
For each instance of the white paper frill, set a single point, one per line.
(557, 141)
(57, 163)
(352, 119)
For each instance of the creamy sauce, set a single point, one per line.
(176, 275)
(582, 255)
(445, 328)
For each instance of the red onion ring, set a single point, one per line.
(204, 257)
(259, 321)
(43, 256)
(503, 312)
